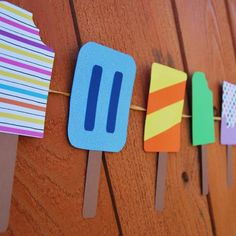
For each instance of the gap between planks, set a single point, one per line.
(227, 6)
(185, 66)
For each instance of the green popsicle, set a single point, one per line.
(203, 131)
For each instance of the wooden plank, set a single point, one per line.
(49, 178)
(231, 7)
(146, 30)
(208, 47)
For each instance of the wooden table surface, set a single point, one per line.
(189, 35)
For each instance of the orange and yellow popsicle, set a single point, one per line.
(164, 110)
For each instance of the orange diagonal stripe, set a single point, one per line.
(165, 97)
(168, 141)
(22, 104)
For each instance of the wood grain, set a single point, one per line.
(147, 31)
(49, 178)
(231, 8)
(208, 47)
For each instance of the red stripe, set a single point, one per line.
(22, 104)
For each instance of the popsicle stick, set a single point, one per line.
(204, 170)
(92, 184)
(160, 183)
(8, 149)
(229, 166)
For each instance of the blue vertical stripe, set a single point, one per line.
(93, 98)
(114, 101)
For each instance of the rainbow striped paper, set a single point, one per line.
(25, 73)
(164, 111)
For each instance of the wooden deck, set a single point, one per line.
(48, 189)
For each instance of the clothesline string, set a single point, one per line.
(132, 107)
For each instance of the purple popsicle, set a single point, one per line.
(228, 123)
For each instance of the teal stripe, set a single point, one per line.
(23, 91)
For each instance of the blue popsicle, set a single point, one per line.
(100, 98)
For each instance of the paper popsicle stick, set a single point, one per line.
(229, 166)
(160, 182)
(92, 184)
(8, 149)
(204, 166)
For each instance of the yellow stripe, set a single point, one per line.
(163, 119)
(25, 53)
(21, 118)
(15, 11)
(25, 79)
(163, 76)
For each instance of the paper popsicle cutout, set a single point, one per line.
(202, 111)
(99, 109)
(25, 73)
(203, 131)
(164, 114)
(228, 123)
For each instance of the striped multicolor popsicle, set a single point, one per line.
(25, 73)
(164, 111)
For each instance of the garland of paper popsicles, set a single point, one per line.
(99, 107)
(203, 120)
